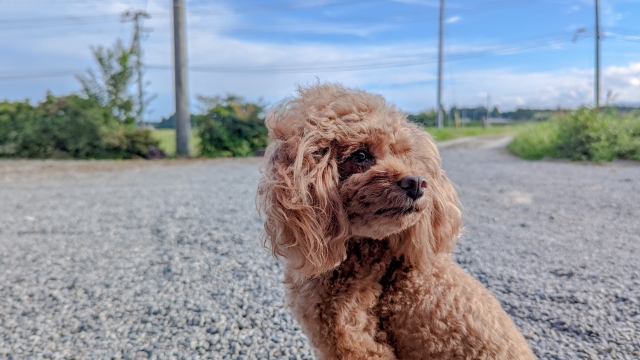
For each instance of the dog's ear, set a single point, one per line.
(305, 220)
(445, 217)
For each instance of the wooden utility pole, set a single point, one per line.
(597, 65)
(456, 119)
(440, 41)
(136, 49)
(486, 122)
(182, 117)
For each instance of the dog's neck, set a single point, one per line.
(406, 246)
(410, 248)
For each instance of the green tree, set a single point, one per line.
(110, 87)
(495, 113)
(230, 127)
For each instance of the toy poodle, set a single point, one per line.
(357, 206)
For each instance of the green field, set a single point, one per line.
(167, 138)
(449, 133)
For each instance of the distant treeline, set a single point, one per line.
(169, 123)
(476, 114)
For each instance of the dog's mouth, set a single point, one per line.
(398, 210)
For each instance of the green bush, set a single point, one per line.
(15, 119)
(583, 134)
(68, 127)
(536, 141)
(231, 129)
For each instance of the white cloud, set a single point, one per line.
(567, 88)
(452, 20)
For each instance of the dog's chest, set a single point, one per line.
(369, 272)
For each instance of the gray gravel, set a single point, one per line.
(162, 259)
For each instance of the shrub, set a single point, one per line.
(15, 120)
(536, 141)
(68, 127)
(583, 134)
(231, 129)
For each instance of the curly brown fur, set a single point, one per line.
(366, 240)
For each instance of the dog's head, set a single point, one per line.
(345, 164)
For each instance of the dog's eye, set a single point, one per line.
(359, 161)
(361, 156)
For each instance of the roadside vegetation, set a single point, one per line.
(469, 121)
(69, 127)
(230, 126)
(227, 127)
(167, 141)
(448, 133)
(104, 120)
(583, 134)
(97, 123)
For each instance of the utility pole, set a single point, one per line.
(486, 121)
(136, 49)
(597, 65)
(440, 41)
(182, 118)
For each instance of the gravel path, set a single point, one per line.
(162, 259)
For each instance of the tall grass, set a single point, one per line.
(583, 134)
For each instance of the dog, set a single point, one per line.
(357, 206)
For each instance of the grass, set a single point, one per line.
(167, 138)
(583, 134)
(535, 141)
(453, 133)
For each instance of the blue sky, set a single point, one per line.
(519, 52)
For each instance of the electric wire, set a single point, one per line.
(40, 23)
(406, 60)
(367, 64)
(58, 73)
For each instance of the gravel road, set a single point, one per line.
(162, 259)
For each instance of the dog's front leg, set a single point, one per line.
(357, 333)
(338, 318)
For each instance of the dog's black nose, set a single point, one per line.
(413, 185)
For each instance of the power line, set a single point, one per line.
(411, 59)
(26, 24)
(89, 19)
(363, 65)
(74, 19)
(48, 22)
(60, 19)
(628, 38)
(55, 73)
(289, 7)
(391, 18)
(491, 6)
